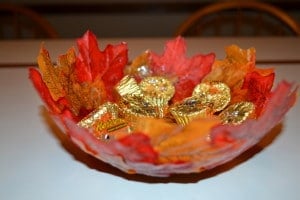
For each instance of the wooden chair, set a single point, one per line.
(239, 18)
(17, 22)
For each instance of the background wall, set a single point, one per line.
(127, 18)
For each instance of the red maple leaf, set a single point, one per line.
(187, 72)
(258, 89)
(77, 80)
(107, 65)
(43, 90)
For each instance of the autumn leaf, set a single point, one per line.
(43, 90)
(234, 67)
(185, 72)
(238, 71)
(258, 89)
(80, 83)
(108, 65)
(50, 74)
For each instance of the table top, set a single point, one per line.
(40, 162)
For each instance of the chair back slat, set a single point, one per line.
(18, 22)
(239, 18)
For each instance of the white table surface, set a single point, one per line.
(37, 161)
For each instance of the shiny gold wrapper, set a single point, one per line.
(136, 106)
(213, 94)
(237, 113)
(134, 102)
(106, 122)
(110, 125)
(120, 131)
(128, 86)
(157, 91)
(191, 108)
(104, 112)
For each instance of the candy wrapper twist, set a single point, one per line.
(160, 114)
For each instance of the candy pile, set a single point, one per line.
(150, 98)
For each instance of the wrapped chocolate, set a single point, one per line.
(136, 106)
(157, 91)
(105, 112)
(237, 113)
(128, 87)
(162, 114)
(105, 121)
(190, 109)
(213, 94)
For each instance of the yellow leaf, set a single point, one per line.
(234, 67)
(49, 74)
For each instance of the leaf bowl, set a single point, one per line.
(142, 136)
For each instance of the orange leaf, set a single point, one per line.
(234, 67)
(50, 74)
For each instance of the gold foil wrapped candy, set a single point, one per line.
(189, 109)
(157, 91)
(136, 106)
(237, 113)
(207, 98)
(104, 120)
(151, 98)
(128, 87)
(213, 94)
(105, 112)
